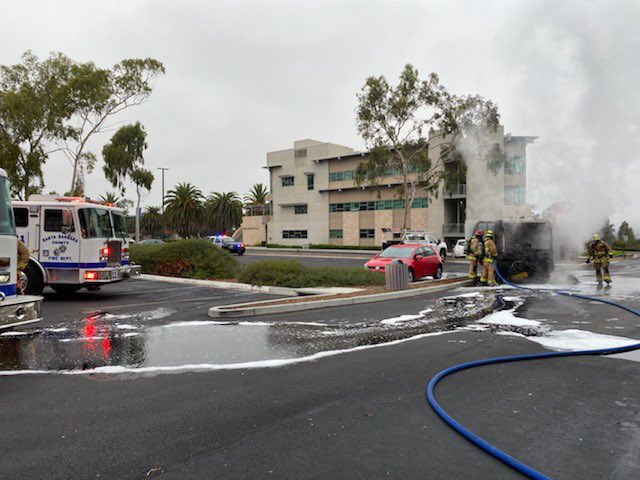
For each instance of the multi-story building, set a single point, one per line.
(315, 198)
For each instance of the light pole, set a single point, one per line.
(163, 170)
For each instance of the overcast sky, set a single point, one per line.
(244, 78)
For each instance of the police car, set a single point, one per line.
(228, 243)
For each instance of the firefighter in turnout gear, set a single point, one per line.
(490, 253)
(23, 261)
(475, 252)
(599, 251)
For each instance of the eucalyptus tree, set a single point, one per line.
(35, 104)
(102, 94)
(394, 123)
(184, 209)
(58, 104)
(124, 160)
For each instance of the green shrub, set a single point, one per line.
(193, 258)
(288, 273)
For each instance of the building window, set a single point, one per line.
(335, 233)
(420, 203)
(395, 204)
(351, 174)
(294, 234)
(514, 166)
(514, 195)
(367, 233)
(301, 153)
(300, 209)
(310, 178)
(341, 176)
(287, 181)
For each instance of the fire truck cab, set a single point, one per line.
(15, 310)
(74, 242)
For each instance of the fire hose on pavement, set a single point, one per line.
(480, 442)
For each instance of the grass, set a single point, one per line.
(288, 273)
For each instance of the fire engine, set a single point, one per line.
(14, 309)
(74, 242)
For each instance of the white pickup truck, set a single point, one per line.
(420, 237)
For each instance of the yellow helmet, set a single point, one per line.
(596, 236)
(489, 233)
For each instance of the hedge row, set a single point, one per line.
(193, 258)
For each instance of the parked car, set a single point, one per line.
(151, 241)
(228, 243)
(414, 237)
(458, 248)
(423, 261)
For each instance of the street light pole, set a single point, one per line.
(163, 170)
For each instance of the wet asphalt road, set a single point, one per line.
(355, 415)
(353, 259)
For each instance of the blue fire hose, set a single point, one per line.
(480, 442)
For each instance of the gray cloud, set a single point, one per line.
(244, 78)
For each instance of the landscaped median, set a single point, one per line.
(366, 295)
(199, 259)
(197, 262)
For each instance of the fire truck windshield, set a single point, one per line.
(119, 224)
(7, 225)
(95, 223)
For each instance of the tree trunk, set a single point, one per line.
(138, 216)
(405, 192)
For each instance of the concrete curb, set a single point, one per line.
(288, 292)
(223, 311)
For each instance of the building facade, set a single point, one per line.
(315, 199)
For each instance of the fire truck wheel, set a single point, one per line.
(34, 283)
(66, 289)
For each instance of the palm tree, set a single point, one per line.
(224, 211)
(184, 209)
(110, 197)
(152, 221)
(256, 199)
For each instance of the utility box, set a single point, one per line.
(396, 274)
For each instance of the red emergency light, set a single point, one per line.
(90, 275)
(104, 251)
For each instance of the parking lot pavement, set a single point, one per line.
(356, 415)
(360, 415)
(136, 295)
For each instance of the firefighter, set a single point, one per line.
(490, 253)
(474, 255)
(23, 260)
(600, 252)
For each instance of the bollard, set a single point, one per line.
(396, 275)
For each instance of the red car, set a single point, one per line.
(423, 261)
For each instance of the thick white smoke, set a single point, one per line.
(579, 62)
